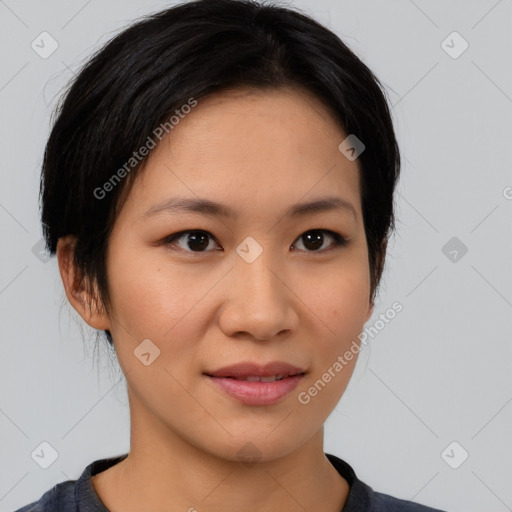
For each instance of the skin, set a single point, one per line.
(258, 153)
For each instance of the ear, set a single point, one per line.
(79, 297)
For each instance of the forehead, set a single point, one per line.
(248, 148)
(282, 119)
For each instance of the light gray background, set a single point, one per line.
(439, 372)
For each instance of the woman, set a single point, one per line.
(218, 189)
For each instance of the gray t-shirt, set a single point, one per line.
(80, 496)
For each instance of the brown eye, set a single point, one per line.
(195, 240)
(314, 239)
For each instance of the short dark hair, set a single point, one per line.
(137, 80)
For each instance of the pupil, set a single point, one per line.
(315, 238)
(194, 237)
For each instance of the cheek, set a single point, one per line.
(149, 297)
(165, 303)
(341, 308)
(348, 308)
(338, 297)
(340, 305)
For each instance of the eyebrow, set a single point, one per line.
(214, 209)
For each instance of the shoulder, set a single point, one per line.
(385, 503)
(74, 494)
(59, 498)
(362, 498)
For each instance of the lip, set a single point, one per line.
(256, 393)
(245, 369)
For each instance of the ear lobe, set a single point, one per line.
(79, 297)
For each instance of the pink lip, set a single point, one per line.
(247, 368)
(257, 393)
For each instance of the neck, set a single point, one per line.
(165, 472)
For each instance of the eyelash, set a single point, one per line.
(339, 241)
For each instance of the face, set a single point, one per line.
(260, 284)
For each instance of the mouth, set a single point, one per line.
(256, 385)
(248, 370)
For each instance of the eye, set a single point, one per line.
(315, 238)
(198, 240)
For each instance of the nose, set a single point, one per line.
(259, 302)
